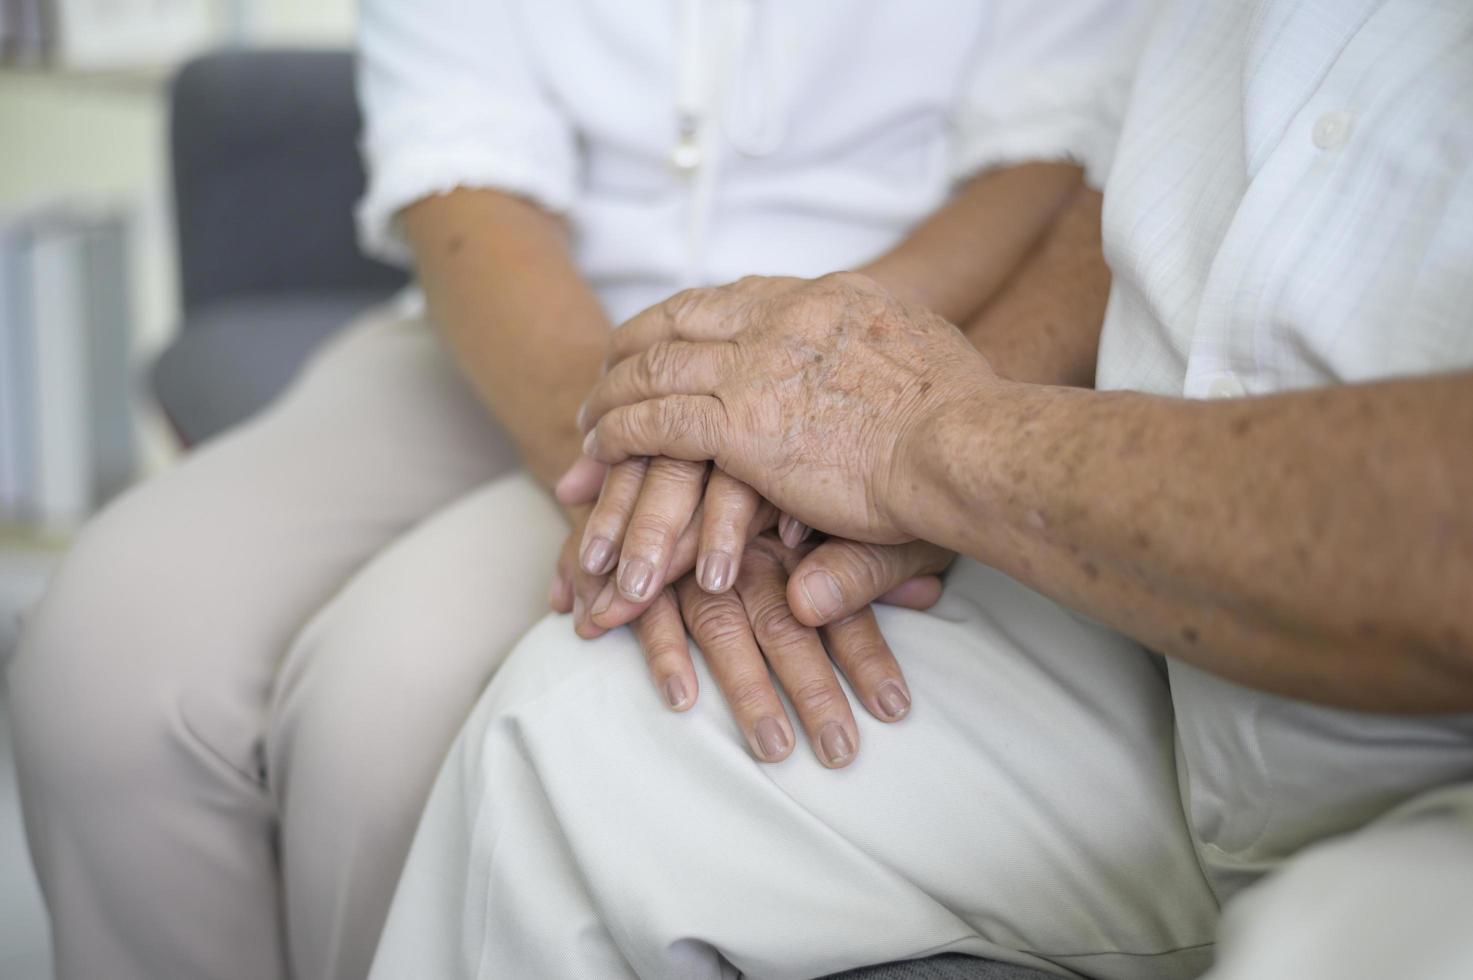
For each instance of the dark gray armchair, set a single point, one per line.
(266, 171)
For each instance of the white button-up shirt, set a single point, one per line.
(1292, 206)
(1292, 198)
(697, 141)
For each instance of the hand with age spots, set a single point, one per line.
(812, 392)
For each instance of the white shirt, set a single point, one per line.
(817, 132)
(1292, 200)
(1292, 206)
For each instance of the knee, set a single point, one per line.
(86, 691)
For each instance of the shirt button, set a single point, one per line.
(1225, 386)
(1332, 129)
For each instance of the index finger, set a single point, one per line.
(707, 313)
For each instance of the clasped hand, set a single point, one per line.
(674, 545)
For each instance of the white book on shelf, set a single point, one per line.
(63, 466)
(17, 374)
(11, 479)
(107, 34)
(109, 355)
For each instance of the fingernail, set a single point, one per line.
(578, 608)
(822, 591)
(635, 578)
(596, 555)
(604, 600)
(772, 741)
(676, 694)
(792, 531)
(834, 741)
(590, 442)
(582, 418)
(893, 700)
(715, 572)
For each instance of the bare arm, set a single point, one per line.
(1044, 325)
(509, 303)
(956, 259)
(1317, 544)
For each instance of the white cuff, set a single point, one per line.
(400, 179)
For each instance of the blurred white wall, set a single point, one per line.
(71, 135)
(296, 22)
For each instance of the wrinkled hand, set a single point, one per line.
(813, 392)
(644, 506)
(757, 626)
(651, 520)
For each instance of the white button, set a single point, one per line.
(1225, 386)
(1332, 129)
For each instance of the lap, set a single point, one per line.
(1389, 900)
(180, 599)
(1028, 804)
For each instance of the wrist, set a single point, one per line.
(945, 459)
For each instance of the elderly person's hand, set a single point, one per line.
(643, 506)
(663, 511)
(750, 633)
(815, 393)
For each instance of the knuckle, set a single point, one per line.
(682, 473)
(868, 662)
(716, 623)
(850, 281)
(665, 659)
(774, 622)
(863, 568)
(648, 527)
(749, 695)
(670, 419)
(816, 696)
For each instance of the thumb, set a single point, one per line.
(841, 577)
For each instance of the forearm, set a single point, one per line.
(524, 327)
(1043, 326)
(1317, 544)
(956, 260)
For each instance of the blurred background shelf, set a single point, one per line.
(72, 136)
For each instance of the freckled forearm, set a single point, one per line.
(1318, 544)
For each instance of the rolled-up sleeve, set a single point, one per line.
(451, 99)
(1050, 82)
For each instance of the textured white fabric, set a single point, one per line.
(1293, 206)
(825, 130)
(1392, 900)
(1026, 810)
(1292, 203)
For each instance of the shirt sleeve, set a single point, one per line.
(1050, 82)
(450, 99)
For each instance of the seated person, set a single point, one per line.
(231, 705)
(1269, 486)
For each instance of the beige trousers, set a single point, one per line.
(231, 704)
(1049, 801)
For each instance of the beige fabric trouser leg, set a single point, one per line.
(142, 688)
(1026, 810)
(1394, 899)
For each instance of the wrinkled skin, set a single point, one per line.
(812, 392)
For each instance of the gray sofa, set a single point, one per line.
(265, 174)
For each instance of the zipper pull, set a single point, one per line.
(686, 156)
